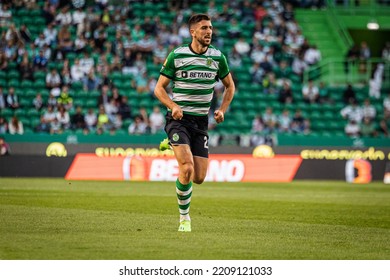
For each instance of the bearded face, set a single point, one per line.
(202, 32)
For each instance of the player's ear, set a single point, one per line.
(192, 31)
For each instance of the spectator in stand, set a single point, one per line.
(310, 93)
(25, 34)
(55, 127)
(284, 121)
(299, 66)
(41, 41)
(140, 83)
(367, 128)
(124, 108)
(352, 112)
(368, 110)
(3, 125)
(184, 33)
(53, 79)
(12, 34)
(386, 103)
(234, 29)
(257, 131)
(66, 78)
(86, 63)
(157, 120)
(270, 120)
(365, 52)
(269, 84)
(5, 15)
(50, 34)
(285, 94)
(5, 149)
(235, 59)
(100, 37)
(256, 73)
(63, 118)
(299, 124)
(144, 115)
(174, 38)
(116, 123)
(77, 71)
(152, 81)
(375, 83)
(12, 99)
(37, 102)
(40, 61)
(159, 54)
(386, 52)
(137, 33)
(78, 20)
(312, 55)
(64, 99)
(349, 94)
(105, 17)
(116, 95)
(139, 126)
(283, 72)
(64, 17)
(352, 129)
(3, 60)
(52, 99)
(80, 44)
(111, 109)
(91, 81)
(128, 66)
(242, 46)
(140, 64)
(10, 51)
(364, 55)
(149, 26)
(3, 99)
(103, 121)
(46, 119)
(78, 119)
(104, 97)
(65, 42)
(90, 120)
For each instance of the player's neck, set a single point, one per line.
(198, 48)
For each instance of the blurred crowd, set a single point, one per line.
(109, 52)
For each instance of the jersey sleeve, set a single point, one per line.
(223, 70)
(168, 68)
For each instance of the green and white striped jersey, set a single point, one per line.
(194, 77)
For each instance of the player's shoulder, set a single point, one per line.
(185, 48)
(213, 51)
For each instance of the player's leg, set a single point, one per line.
(200, 169)
(200, 151)
(184, 184)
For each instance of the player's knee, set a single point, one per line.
(198, 180)
(188, 170)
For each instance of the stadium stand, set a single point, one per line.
(287, 44)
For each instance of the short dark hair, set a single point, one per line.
(197, 18)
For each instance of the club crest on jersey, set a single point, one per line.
(175, 137)
(209, 61)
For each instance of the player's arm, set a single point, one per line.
(219, 114)
(162, 95)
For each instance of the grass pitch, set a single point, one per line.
(59, 219)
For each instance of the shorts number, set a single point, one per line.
(206, 144)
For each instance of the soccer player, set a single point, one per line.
(194, 69)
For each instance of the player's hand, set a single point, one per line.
(219, 116)
(177, 112)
